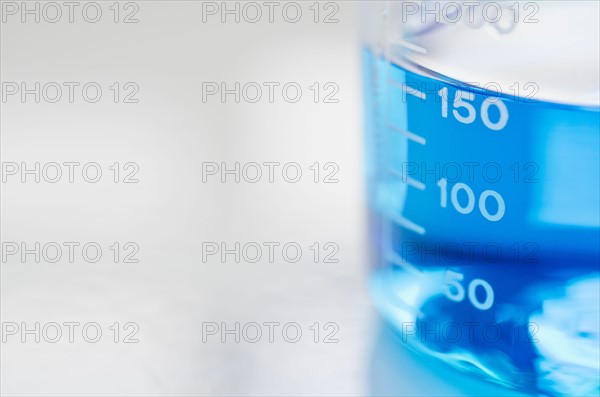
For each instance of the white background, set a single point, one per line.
(171, 212)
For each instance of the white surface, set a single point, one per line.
(171, 292)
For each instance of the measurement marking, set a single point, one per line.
(407, 179)
(414, 91)
(414, 183)
(413, 137)
(409, 90)
(407, 224)
(399, 303)
(396, 260)
(412, 47)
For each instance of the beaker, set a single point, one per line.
(483, 184)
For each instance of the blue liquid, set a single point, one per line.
(485, 222)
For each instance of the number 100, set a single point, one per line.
(470, 204)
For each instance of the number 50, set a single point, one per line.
(455, 291)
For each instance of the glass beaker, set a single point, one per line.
(483, 179)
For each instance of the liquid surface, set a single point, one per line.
(485, 222)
